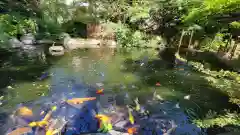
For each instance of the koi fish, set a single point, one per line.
(181, 69)
(38, 124)
(42, 112)
(20, 131)
(80, 100)
(56, 126)
(104, 123)
(138, 106)
(44, 75)
(45, 120)
(25, 111)
(132, 130)
(99, 91)
(158, 84)
(51, 132)
(103, 117)
(131, 118)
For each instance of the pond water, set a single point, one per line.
(132, 73)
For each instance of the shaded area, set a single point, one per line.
(182, 80)
(215, 62)
(15, 70)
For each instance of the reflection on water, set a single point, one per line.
(80, 73)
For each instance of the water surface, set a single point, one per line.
(132, 73)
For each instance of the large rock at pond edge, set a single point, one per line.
(71, 44)
(28, 39)
(15, 43)
(56, 50)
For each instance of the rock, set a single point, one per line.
(72, 44)
(56, 50)
(93, 43)
(28, 39)
(44, 41)
(28, 47)
(15, 43)
(9, 87)
(110, 43)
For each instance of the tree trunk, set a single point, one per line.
(233, 50)
(228, 43)
(230, 47)
(190, 41)
(180, 41)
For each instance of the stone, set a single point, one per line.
(78, 43)
(110, 43)
(9, 87)
(56, 50)
(28, 47)
(28, 39)
(15, 43)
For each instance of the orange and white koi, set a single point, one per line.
(20, 131)
(80, 100)
(99, 91)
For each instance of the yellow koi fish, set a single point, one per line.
(52, 132)
(103, 117)
(104, 123)
(80, 100)
(131, 118)
(45, 120)
(24, 111)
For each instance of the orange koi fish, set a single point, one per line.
(20, 131)
(132, 130)
(99, 91)
(80, 100)
(158, 84)
(25, 111)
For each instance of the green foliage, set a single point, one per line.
(138, 11)
(15, 24)
(209, 8)
(229, 83)
(128, 38)
(214, 44)
(213, 119)
(226, 81)
(235, 24)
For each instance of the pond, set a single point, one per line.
(132, 73)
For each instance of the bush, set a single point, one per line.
(129, 38)
(213, 44)
(15, 25)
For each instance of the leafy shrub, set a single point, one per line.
(213, 119)
(128, 38)
(13, 24)
(213, 44)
